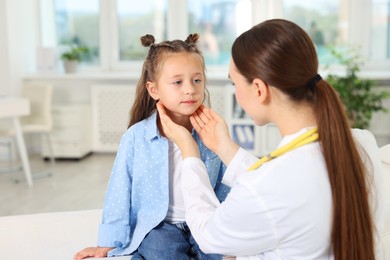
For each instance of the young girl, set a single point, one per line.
(144, 213)
(318, 195)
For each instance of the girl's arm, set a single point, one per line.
(115, 222)
(115, 228)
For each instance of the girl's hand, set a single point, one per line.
(214, 133)
(92, 252)
(178, 134)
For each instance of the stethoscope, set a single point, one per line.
(308, 137)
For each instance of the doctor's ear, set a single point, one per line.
(152, 89)
(261, 89)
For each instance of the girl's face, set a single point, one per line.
(181, 85)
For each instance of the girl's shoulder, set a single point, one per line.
(137, 126)
(146, 127)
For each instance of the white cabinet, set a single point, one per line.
(71, 134)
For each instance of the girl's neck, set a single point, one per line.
(183, 121)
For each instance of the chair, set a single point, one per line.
(40, 119)
(385, 156)
(7, 142)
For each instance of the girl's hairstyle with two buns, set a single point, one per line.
(144, 105)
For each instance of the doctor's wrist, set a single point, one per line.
(189, 149)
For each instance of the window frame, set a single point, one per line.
(359, 22)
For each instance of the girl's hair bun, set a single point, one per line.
(147, 40)
(192, 39)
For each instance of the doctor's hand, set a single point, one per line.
(178, 134)
(214, 133)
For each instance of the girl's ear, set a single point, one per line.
(262, 90)
(152, 89)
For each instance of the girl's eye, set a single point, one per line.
(198, 81)
(177, 82)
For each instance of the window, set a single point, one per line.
(136, 20)
(111, 29)
(380, 30)
(324, 22)
(77, 23)
(218, 30)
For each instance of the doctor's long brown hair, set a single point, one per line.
(144, 105)
(281, 54)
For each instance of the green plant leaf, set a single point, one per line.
(76, 53)
(358, 96)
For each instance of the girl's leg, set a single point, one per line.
(199, 255)
(165, 241)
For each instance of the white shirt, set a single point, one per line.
(282, 210)
(176, 209)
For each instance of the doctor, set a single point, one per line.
(317, 196)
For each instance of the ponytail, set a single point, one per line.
(353, 228)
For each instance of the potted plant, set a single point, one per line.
(358, 95)
(73, 57)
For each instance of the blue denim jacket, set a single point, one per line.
(138, 191)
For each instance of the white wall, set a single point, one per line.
(17, 45)
(4, 79)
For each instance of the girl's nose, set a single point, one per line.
(189, 88)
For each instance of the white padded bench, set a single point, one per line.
(49, 236)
